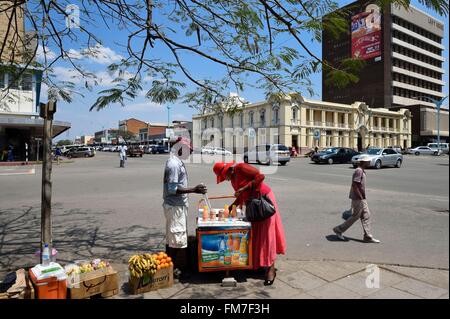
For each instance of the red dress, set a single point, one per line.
(267, 235)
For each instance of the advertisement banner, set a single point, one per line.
(224, 250)
(366, 34)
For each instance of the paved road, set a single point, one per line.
(103, 210)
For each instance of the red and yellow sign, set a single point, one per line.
(366, 34)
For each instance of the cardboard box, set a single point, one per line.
(103, 281)
(163, 278)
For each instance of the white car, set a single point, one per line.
(443, 147)
(207, 150)
(424, 150)
(221, 151)
(379, 157)
(268, 154)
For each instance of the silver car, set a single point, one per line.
(379, 157)
(425, 150)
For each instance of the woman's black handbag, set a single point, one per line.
(258, 209)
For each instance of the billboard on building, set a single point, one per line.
(366, 33)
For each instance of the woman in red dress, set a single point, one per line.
(267, 235)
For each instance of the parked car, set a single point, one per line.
(215, 151)
(106, 149)
(334, 155)
(134, 151)
(81, 152)
(442, 146)
(207, 150)
(221, 151)
(379, 157)
(268, 154)
(148, 148)
(424, 150)
(396, 148)
(160, 149)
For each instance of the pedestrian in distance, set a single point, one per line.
(58, 154)
(10, 156)
(123, 154)
(175, 205)
(360, 207)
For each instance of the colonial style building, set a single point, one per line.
(305, 124)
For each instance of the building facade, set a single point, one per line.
(20, 124)
(132, 125)
(403, 52)
(152, 133)
(305, 124)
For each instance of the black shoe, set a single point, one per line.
(268, 282)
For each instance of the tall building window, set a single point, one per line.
(221, 121)
(262, 117)
(205, 124)
(275, 114)
(212, 122)
(251, 119)
(232, 121)
(2, 80)
(241, 119)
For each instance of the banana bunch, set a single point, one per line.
(142, 264)
(85, 268)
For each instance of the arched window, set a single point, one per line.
(262, 117)
(251, 120)
(295, 117)
(276, 114)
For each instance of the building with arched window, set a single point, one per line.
(306, 123)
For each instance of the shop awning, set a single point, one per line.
(35, 124)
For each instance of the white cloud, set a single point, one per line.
(40, 53)
(96, 54)
(99, 79)
(143, 107)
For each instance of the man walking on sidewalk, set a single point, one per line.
(175, 195)
(359, 205)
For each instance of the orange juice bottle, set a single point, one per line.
(205, 213)
(236, 250)
(229, 251)
(233, 212)
(226, 212)
(243, 253)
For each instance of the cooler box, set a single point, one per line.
(49, 281)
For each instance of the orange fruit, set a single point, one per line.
(165, 255)
(158, 262)
(158, 267)
(169, 259)
(155, 256)
(163, 261)
(171, 264)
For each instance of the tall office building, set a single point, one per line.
(402, 49)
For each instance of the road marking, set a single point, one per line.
(278, 179)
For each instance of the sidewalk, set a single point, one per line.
(308, 280)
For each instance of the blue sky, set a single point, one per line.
(85, 122)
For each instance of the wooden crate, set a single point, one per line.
(162, 279)
(103, 282)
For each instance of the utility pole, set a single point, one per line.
(46, 112)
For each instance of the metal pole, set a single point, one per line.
(46, 199)
(438, 106)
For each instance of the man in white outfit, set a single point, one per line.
(123, 154)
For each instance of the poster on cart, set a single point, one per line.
(225, 249)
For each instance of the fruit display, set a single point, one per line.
(148, 263)
(85, 267)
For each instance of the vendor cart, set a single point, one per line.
(223, 245)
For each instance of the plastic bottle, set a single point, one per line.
(46, 255)
(226, 212)
(205, 213)
(229, 250)
(233, 212)
(243, 254)
(222, 249)
(236, 249)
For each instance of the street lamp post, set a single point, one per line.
(438, 104)
(168, 115)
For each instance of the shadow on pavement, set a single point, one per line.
(335, 238)
(77, 235)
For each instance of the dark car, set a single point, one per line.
(334, 155)
(159, 149)
(134, 151)
(80, 152)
